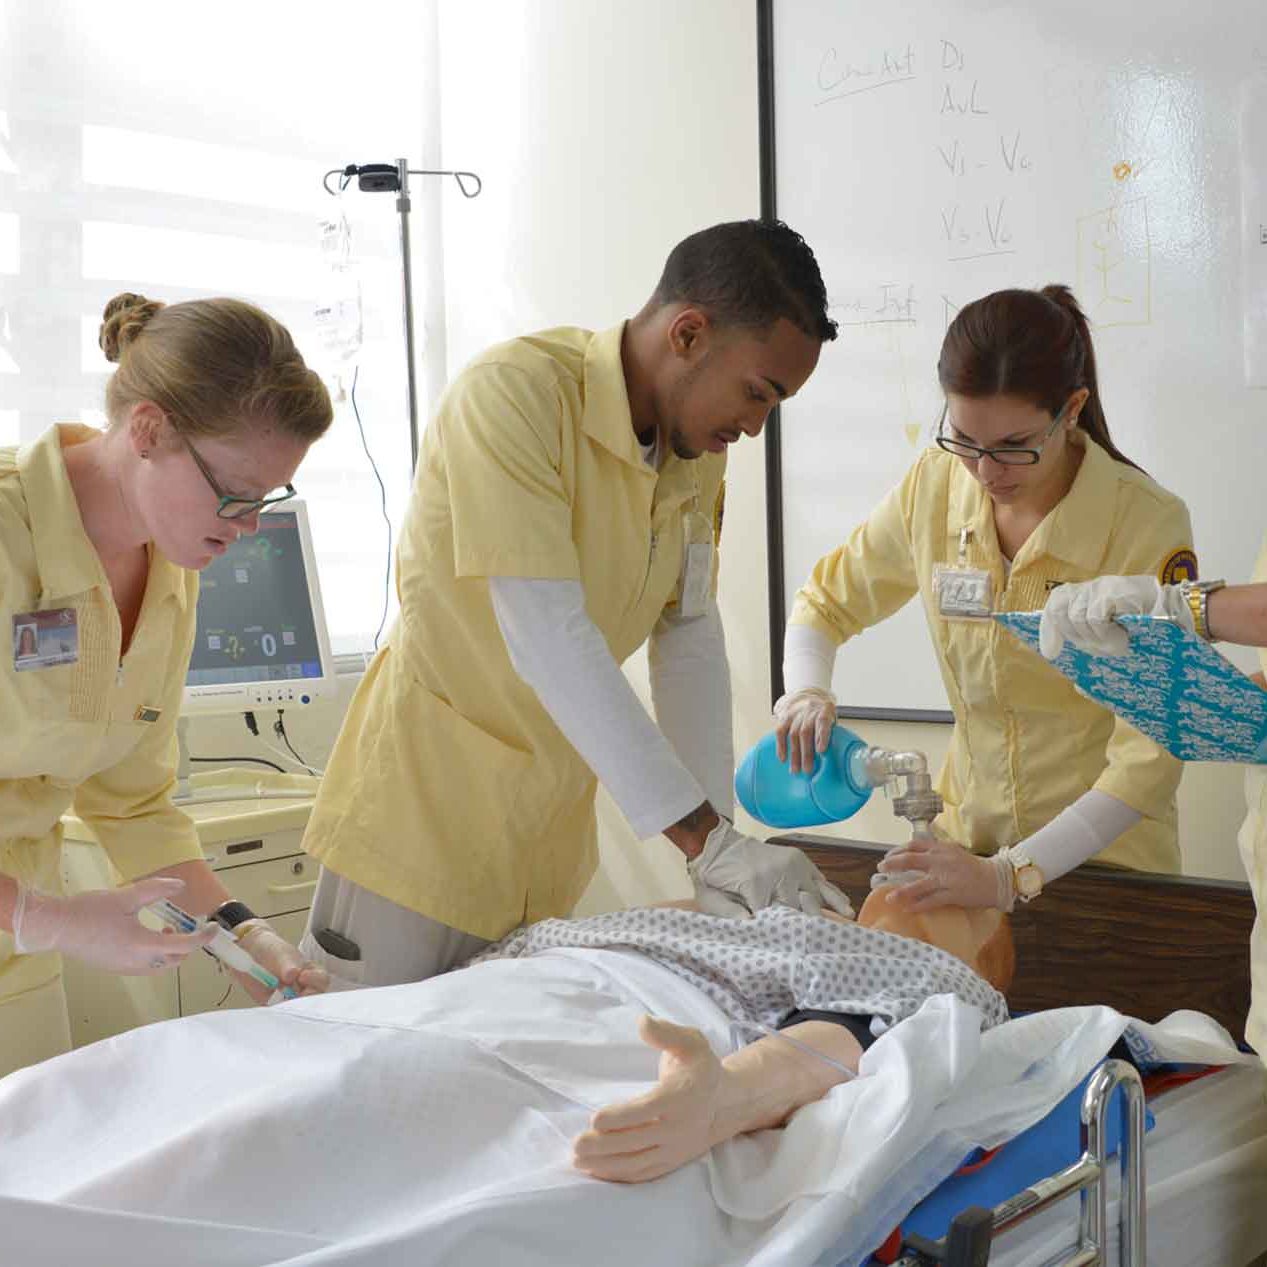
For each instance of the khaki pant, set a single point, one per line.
(396, 944)
(34, 1023)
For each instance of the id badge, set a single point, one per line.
(963, 593)
(44, 639)
(695, 585)
(697, 579)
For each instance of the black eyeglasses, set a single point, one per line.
(1007, 455)
(232, 507)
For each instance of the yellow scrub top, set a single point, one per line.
(70, 734)
(450, 790)
(1253, 845)
(1025, 743)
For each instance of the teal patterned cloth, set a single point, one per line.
(1173, 687)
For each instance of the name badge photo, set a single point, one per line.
(44, 639)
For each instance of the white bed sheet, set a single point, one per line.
(427, 1125)
(1206, 1174)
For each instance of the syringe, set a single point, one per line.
(223, 947)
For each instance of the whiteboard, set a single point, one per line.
(933, 152)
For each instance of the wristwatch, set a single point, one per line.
(1197, 595)
(231, 914)
(1027, 878)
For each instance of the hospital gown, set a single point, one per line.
(759, 971)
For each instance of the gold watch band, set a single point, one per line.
(1197, 595)
(1028, 880)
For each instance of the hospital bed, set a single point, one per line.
(429, 1124)
(1096, 937)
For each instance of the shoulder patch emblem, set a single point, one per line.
(1180, 565)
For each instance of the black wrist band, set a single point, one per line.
(231, 914)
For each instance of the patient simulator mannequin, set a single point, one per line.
(700, 1101)
(444, 1120)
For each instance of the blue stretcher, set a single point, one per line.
(954, 1223)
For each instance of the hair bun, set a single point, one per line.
(124, 317)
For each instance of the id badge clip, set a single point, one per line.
(695, 585)
(963, 592)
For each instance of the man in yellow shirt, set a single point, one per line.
(567, 507)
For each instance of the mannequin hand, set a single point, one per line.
(671, 1124)
(1086, 613)
(101, 927)
(276, 954)
(739, 875)
(803, 725)
(940, 873)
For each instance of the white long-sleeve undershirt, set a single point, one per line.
(1092, 823)
(655, 778)
(808, 659)
(690, 688)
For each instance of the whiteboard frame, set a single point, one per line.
(776, 573)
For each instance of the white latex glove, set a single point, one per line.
(270, 951)
(1086, 613)
(929, 872)
(738, 875)
(102, 929)
(671, 1124)
(803, 725)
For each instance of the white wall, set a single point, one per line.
(604, 133)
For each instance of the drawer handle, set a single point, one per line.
(280, 889)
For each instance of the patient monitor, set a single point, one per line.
(262, 640)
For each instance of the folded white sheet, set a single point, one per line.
(431, 1123)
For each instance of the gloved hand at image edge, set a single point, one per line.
(1086, 613)
(101, 927)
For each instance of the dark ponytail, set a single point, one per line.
(1033, 344)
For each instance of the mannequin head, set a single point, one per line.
(980, 936)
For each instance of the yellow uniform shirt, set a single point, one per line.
(70, 734)
(450, 790)
(1025, 743)
(1253, 845)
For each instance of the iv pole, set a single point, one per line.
(394, 178)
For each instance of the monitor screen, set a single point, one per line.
(259, 612)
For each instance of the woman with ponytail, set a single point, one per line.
(1025, 492)
(102, 535)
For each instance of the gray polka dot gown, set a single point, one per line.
(760, 970)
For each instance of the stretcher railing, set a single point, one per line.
(968, 1241)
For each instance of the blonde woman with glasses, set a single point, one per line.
(102, 535)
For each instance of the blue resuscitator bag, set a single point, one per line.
(835, 789)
